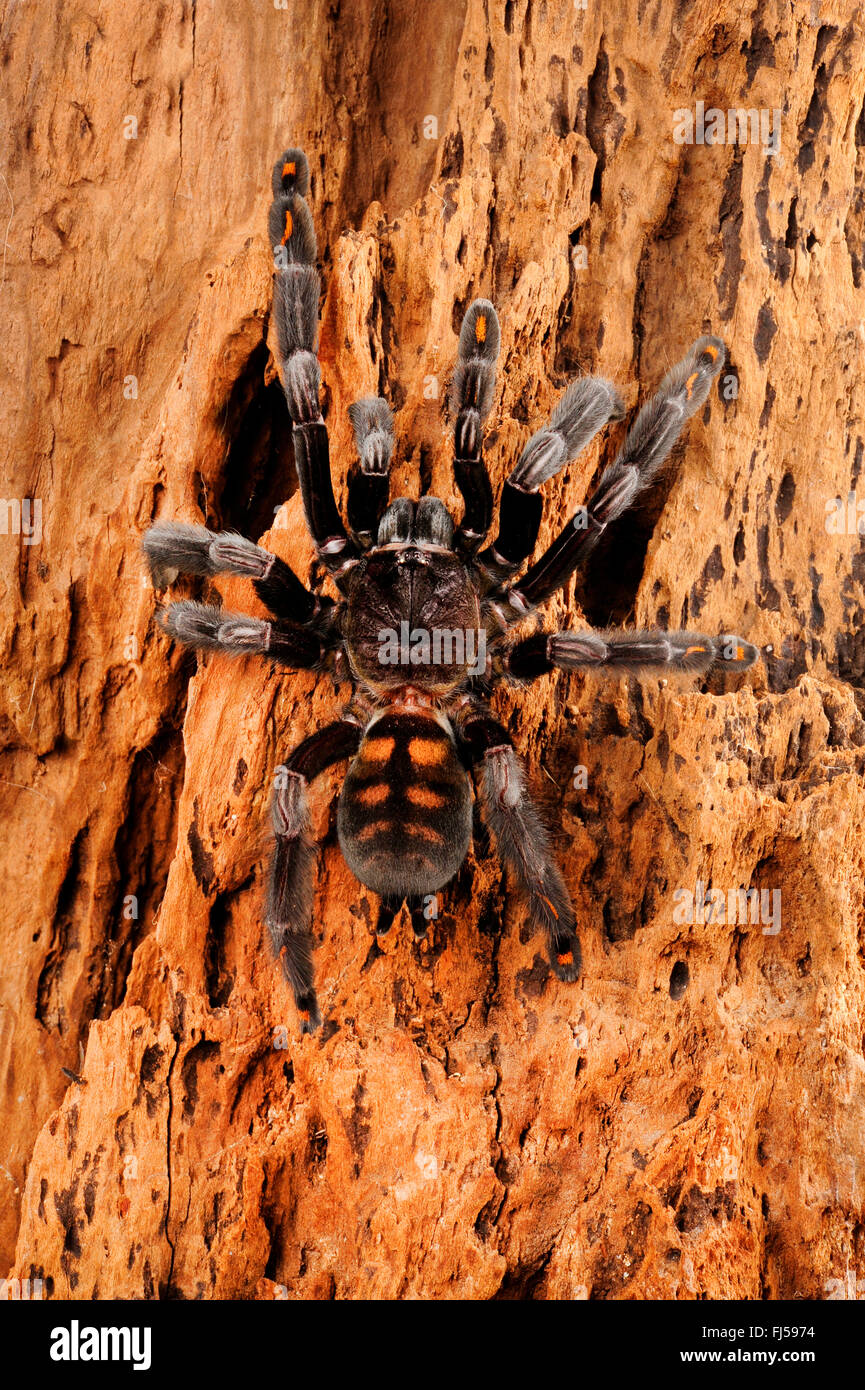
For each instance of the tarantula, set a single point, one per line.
(422, 626)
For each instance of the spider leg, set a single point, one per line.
(583, 410)
(369, 485)
(419, 909)
(213, 629)
(290, 896)
(387, 910)
(655, 430)
(171, 549)
(295, 305)
(521, 837)
(619, 652)
(471, 397)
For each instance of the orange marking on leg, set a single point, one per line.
(689, 384)
(377, 750)
(711, 351)
(694, 649)
(428, 751)
(425, 796)
(550, 906)
(565, 957)
(481, 328)
(304, 1013)
(740, 653)
(288, 227)
(289, 169)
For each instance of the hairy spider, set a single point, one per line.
(423, 624)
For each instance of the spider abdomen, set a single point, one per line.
(405, 810)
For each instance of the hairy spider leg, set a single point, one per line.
(290, 896)
(521, 837)
(621, 652)
(213, 629)
(470, 400)
(584, 409)
(655, 430)
(369, 483)
(173, 548)
(295, 306)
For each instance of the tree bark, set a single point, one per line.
(687, 1120)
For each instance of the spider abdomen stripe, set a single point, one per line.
(404, 816)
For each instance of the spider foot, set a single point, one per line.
(733, 653)
(310, 1014)
(419, 908)
(173, 548)
(566, 958)
(386, 913)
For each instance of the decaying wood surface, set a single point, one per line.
(688, 1119)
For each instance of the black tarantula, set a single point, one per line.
(423, 625)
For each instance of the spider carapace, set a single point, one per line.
(425, 618)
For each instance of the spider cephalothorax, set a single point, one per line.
(424, 618)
